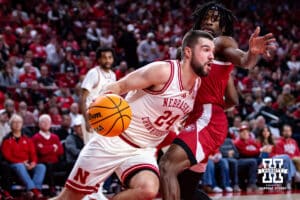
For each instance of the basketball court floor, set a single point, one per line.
(295, 195)
(292, 195)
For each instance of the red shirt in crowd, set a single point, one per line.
(247, 148)
(46, 150)
(287, 146)
(18, 150)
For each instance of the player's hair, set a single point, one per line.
(100, 50)
(190, 39)
(227, 18)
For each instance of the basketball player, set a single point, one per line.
(94, 81)
(91, 88)
(160, 94)
(206, 127)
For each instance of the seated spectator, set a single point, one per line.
(219, 164)
(49, 149)
(4, 126)
(28, 116)
(65, 129)
(231, 154)
(45, 81)
(9, 106)
(20, 152)
(74, 142)
(267, 149)
(74, 113)
(248, 148)
(287, 145)
(234, 130)
(7, 77)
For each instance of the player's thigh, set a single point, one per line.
(96, 162)
(142, 164)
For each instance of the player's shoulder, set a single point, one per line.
(160, 70)
(162, 65)
(225, 42)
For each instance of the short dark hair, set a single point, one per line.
(227, 18)
(100, 50)
(191, 38)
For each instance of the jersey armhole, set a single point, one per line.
(167, 84)
(98, 80)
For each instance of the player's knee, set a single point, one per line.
(149, 189)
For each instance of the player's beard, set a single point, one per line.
(106, 66)
(197, 67)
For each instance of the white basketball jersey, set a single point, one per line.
(155, 112)
(94, 81)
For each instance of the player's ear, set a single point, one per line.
(187, 52)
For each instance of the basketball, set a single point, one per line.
(109, 115)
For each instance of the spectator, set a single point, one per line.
(147, 50)
(46, 81)
(248, 148)
(9, 106)
(287, 145)
(20, 152)
(234, 130)
(29, 74)
(107, 39)
(267, 150)
(28, 117)
(219, 164)
(93, 35)
(74, 113)
(7, 76)
(74, 142)
(130, 51)
(121, 70)
(65, 99)
(4, 126)
(65, 129)
(49, 149)
(55, 55)
(231, 154)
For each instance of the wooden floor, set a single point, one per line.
(295, 195)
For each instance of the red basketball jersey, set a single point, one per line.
(212, 88)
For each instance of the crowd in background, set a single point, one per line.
(47, 47)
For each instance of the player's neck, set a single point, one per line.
(188, 76)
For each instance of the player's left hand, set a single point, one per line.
(262, 45)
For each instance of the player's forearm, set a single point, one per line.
(249, 60)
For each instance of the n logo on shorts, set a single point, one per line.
(81, 175)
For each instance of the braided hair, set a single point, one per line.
(227, 18)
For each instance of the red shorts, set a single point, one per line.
(204, 137)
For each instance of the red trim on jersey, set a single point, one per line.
(179, 76)
(138, 167)
(128, 141)
(81, 189)
(167, 84)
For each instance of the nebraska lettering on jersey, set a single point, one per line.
(150, 127)
(81, 175)
(177, 103)
(156, 112)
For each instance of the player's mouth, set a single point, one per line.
(209, 65)
(209, 30)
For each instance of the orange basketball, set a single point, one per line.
(109, 115)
